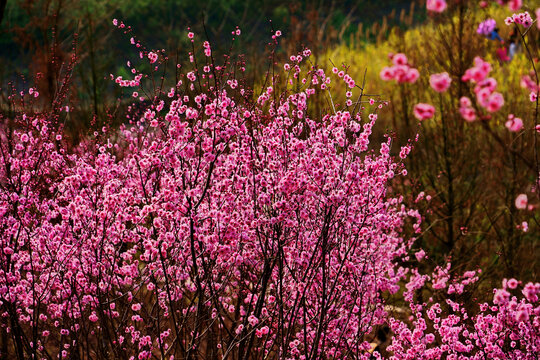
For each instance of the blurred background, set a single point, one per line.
(34, 31)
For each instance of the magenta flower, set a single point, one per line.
(515, 5)
(440, 82)
(514, 124)
(436, 5)
(423, 111)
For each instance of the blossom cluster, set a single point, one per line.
(506, 328)
(485, 86)
(401, 71)
(209, 223)
(523, 18)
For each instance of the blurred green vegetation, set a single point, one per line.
(37, 36)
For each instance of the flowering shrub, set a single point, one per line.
(212, 225)
(218, 223)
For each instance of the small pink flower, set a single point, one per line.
(420, 254)
(522, 316)
(515, 5)
(468, 114)
(512, 283)
(387, 73)
(465, 101)
(495, 102)
(514, 124)
(521, 201)
(152, 56)
(440, 82)
(412, 75)
(253, 320)
(501, 297)
(436, 5)
(399, 59)
(423, 111)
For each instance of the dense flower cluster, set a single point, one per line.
(485, 87)
(209, 225)
(506, 328)
(401, 71)
(218, 223)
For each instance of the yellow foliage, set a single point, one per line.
(425, 47)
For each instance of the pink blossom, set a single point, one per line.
(153, 57)
(522, 18)
(399, 59)
(514, 124)
(387, 73)
(468, 114)
(423, 111)
(465, 101)
(512, 283)
(521, 201)
(436, 5)
(440, 82)
(495, 102)
(515, 5)
(412, 75)
(420, 254)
